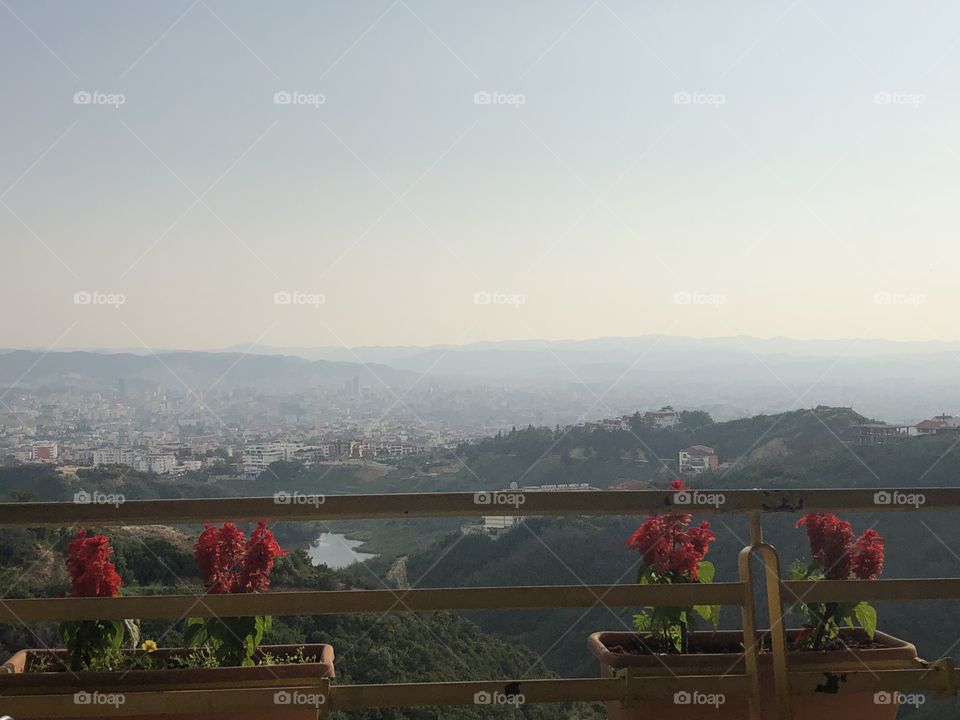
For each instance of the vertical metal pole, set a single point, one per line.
(750, 650)
(756, 529)
(778, 637)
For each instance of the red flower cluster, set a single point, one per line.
(92, 573)
(229, 563)
(868, 556)
(838, 553)
(668, 545)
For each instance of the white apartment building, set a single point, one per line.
(257, 458)
(114, 456)
(159, 463)
(662, 419)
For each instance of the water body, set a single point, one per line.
(335, 551)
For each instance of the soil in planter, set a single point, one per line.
(166, 659)
(717, 644)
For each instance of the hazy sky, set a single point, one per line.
(804, 182)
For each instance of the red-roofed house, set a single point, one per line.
(698, 459)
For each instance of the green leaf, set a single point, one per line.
(710, 613)
(867, 617)
(706, 571)
(133, 629)
(641, 622)
(115, 634)
(196, 633)
(645, 575)
(675, 635)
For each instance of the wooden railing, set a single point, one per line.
(628, 688)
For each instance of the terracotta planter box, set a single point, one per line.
(15, 680)
(895, 654)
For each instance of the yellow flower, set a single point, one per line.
(149, 645)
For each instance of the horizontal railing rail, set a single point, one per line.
(333, 602)
(506, 503)
(879, 590)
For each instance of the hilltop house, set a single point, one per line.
(880, 433)
(698, 459)
(664, 418)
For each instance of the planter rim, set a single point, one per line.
(14, 677)
(894, 653)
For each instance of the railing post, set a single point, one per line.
(778, 636)
(756, 528)
(750, 650)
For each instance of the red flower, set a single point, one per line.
(229, 563)
(868, 555)
(668, 545)
(92, 573)
(838, 553)
(261, 550)
(219, 555)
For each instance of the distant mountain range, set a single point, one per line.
(194, 370)
(728, 376)
(402, 355)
